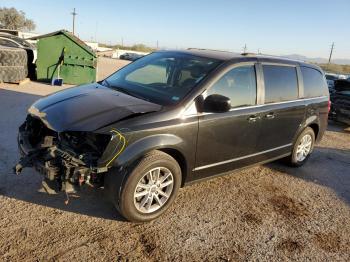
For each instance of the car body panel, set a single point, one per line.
(225, 136)
(160, 131)
(88, 107)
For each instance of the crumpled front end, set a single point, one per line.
(66, 159)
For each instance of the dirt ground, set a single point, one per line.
(265, 213)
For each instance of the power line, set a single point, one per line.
(330, 55)
(74, 14)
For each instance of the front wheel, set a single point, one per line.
(150, 188)
(303, 147)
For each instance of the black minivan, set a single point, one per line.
(172, 118)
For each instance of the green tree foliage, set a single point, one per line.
(11, 18)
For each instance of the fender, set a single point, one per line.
(119, 172)
(146, 144)
(313, 119)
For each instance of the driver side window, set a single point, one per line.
(238, 84)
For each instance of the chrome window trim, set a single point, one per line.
(277, 64)
(300, 82)
(240, 158)
(256, 106)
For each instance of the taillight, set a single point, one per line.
(329, 105)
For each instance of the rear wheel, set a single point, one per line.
(150, 188)
(303, 147)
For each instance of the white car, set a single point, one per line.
(15, 41)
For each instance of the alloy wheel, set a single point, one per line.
(304, 147)
(153, 190)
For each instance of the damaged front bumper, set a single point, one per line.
(66, 160)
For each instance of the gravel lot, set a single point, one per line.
(264, 213)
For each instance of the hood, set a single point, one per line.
(87, 108)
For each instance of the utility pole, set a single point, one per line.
(245, 48)
(122, 42)
(157, 45)
(74, 14)
(96, 32)
(330, 55)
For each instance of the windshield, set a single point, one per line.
(163, 78)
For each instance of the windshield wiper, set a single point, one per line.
(126, 91)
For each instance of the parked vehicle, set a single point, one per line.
(9, 40)
(172, 118)
(130, 56)
(340, 98)
(15, 41)
(330, 81)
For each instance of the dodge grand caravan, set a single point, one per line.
(171, 118)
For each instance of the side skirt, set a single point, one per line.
(235, 170)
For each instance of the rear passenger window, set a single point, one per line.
(238, 84)
(314, 83)
(281, 83)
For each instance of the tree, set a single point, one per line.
(11, 18)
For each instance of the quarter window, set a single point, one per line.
(239, 84)
(314, 82)
(281, 83)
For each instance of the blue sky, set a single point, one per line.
(306, 27)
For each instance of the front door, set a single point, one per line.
(228, 140)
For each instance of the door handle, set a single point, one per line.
(253, 118)
(270, 115)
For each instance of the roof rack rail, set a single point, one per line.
(271, 56)
(249, 53)
(205, 49)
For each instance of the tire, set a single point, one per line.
(13, 64)
(152, 201)
(13, 74)
(298, 159)
(13, 56)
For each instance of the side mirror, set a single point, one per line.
(216, 104)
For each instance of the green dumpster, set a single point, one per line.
(63, 55)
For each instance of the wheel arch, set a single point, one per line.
(312, 122)
(315, 127)
(180, 159)
(167, 143)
